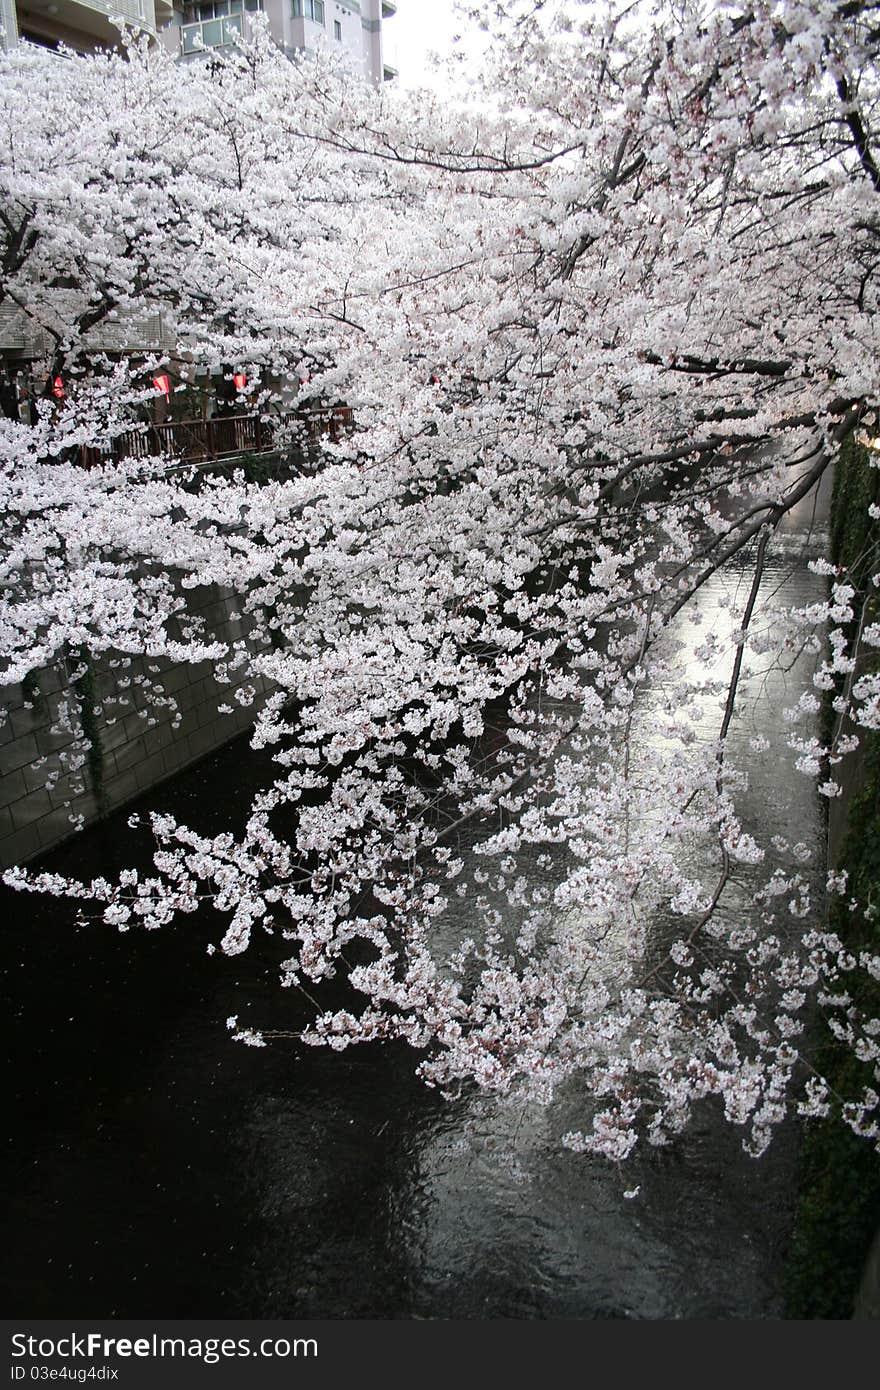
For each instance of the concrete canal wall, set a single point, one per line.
(81, 738)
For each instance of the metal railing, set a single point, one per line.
(220, 437)
(210, 33)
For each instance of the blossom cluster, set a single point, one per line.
(600, 337)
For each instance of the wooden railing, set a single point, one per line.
(222, 436)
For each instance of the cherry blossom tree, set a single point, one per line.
(601, 327)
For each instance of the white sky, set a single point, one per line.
(418, 27)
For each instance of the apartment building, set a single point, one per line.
(298, 26)
(189, 27)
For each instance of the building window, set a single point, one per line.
(337, 29)
(311, 9)
(219, 9)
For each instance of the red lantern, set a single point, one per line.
(240, 381)
(162, 384)
(58, 390)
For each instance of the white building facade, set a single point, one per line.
(188, 27)
(297, 26)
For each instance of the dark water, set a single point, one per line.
(157, 1169)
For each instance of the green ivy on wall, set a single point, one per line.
(839, 1189)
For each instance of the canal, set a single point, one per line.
(155, 1169)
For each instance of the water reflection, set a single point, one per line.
(508, 1224)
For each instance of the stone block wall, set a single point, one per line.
(81, 738)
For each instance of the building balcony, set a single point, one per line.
(214, 24)
(91, 21)
(210, 33)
